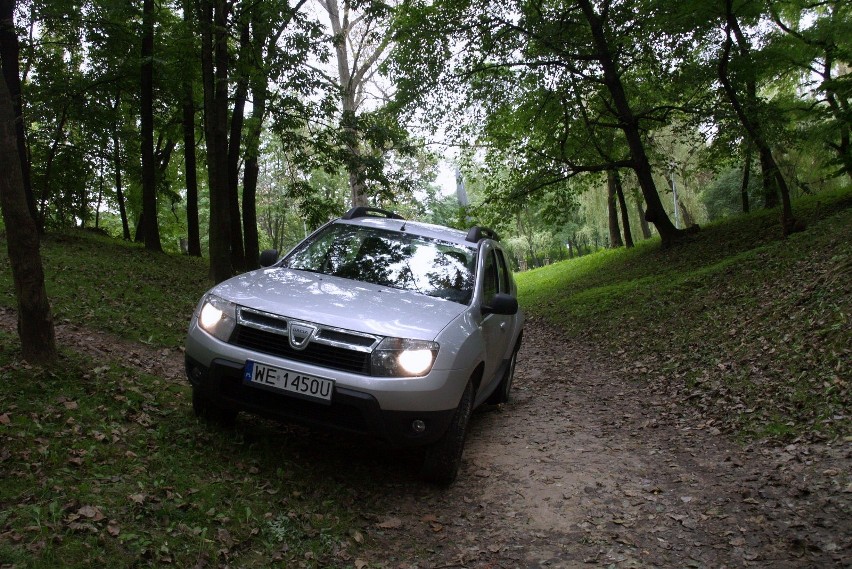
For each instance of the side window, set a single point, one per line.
(503, 271)
(490, 278)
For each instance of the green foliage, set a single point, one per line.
(750, 326)
(722, 197)
(520, 82)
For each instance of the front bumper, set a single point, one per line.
(221, 383)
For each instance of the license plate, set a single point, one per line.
(299, 384)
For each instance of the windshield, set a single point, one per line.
(387, 258)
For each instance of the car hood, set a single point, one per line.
(341, 303)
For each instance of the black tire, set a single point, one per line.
(501, 394)
(205, 409)
(443, 458)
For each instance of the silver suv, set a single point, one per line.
(372, 324)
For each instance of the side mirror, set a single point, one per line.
(268, 257)
(502, 303)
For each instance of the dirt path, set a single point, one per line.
(584, 468)
(581, 469)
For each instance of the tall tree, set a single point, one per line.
(612, 211)
(823, 50)
(9, 57)
(118, 166)
(149, 221)
(188, 126)
(35, 320)
(606, 55)
(268, 24)
(748, 116)
(241, 74)
(190, 171)
(213, 20)
(359, 44)
(622, 204)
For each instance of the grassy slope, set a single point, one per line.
(751, 328)
(105, 466)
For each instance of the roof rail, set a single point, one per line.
(477, 232)
(364, 211)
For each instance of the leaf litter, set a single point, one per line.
(585, 465)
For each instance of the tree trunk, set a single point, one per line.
(139, 234)
(752, 126)
(770, 194)
(116, 157)
(688, 220)
(351, 81)
(251, 171)
(10, 58)
(625, 217)
(58, 137)
(35, 320)
(191, 172)
(614, 230)
(238, 257)
(150, 224)
(746, 178)
(643, 223)
(214, 63)
(193, 237)
(162, 157)
(100, 194)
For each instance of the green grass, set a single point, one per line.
(117, 287)
(752, 328)
(103, 465)
(106, 467)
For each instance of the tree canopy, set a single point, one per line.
(213, 124)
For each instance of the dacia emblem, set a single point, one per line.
(300, 334)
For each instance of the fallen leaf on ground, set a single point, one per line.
(223, 536)
(92, 512)
(390, 523)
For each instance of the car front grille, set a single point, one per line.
(330, 347)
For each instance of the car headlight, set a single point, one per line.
(400, 357)
(217, 317)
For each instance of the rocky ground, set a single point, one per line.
(586, 467)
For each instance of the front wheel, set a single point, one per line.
(443, 458)
(504, 388)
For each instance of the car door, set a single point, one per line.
(496, 328)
